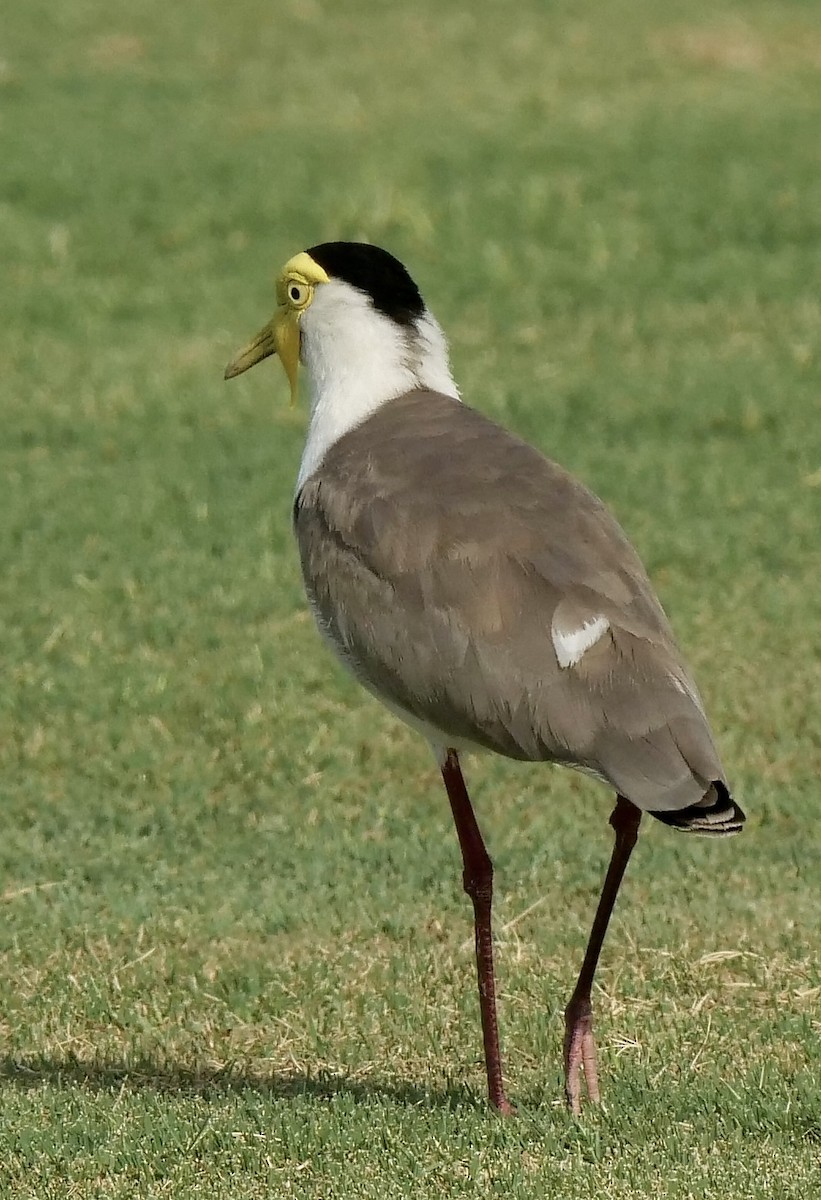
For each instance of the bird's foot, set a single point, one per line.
(503, 1106)
(579, 1054)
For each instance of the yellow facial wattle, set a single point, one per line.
(295, 291)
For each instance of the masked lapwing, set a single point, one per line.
(483, 594)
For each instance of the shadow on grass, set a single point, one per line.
(144, 1075)
(800, 1123)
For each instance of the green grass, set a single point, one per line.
(234, 952)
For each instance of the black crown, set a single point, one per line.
(375, 272)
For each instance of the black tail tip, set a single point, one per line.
(721, 818)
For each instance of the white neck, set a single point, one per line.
(356, 359)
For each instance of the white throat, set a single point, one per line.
(356, 359)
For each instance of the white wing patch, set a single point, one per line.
(687, 689)
(571, 644)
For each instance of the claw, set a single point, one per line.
(580, 1055)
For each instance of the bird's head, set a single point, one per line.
(352, 314)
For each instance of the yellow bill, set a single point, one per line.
(280, 336)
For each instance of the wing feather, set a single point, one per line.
(436, 549)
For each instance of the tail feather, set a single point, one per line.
(717, 815)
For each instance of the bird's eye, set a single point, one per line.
(298, 293)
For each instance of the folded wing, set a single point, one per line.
(479, 588)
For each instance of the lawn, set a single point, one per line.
(235, 955)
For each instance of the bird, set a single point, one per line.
(480, 591)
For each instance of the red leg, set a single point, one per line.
(579, 1046)
(477, 878)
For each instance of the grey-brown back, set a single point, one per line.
(438, 552)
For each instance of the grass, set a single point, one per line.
(233, 946)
